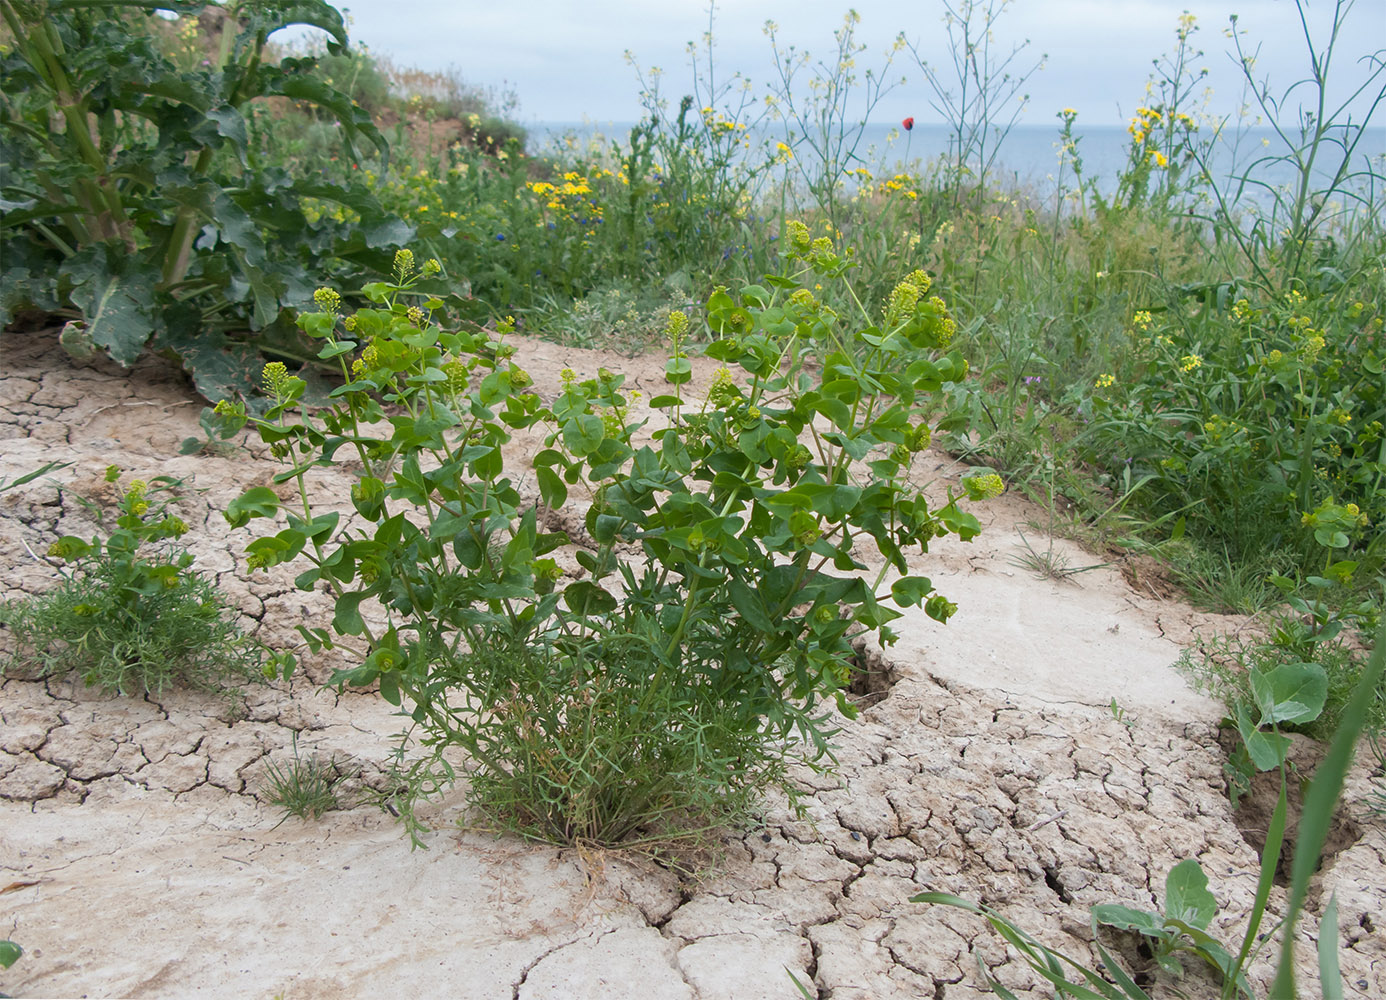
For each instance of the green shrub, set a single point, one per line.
(137, 198)
(1259, 427)
(587, 717)
(128, 623)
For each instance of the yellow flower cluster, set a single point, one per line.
(327, 300)
(1220, 428)
(273, 377)
(905, 296)
(903, 183)
(719, 124)
(1145, 120)
(573, 197)
(984, 487)
(1105, 381)
(676, 329)
(723, 390)
(418, 195)
(1311, 348)
(134, 497)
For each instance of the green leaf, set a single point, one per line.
(1330, 976)
(230, 125)
(1267, 750)
(30, 476)
(755, 295)
(275, 549)
(750, 606)
(583, 433)
(9, 953)
(337, 349)
(389, 233)
(346, 620)
(834, 502)
(909, 591)
(116, 306)
(1291, 692)
(1125, 918)
(552, 490)
(272, 17)
(677, 371)
(1186, 895)
(260, 501)
(586, 598)
(389, 687)
(1270, 863)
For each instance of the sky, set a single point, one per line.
(566, 62)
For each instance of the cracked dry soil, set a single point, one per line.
(140, 858)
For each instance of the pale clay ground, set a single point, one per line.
(138, 859)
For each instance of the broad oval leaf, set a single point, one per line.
(1187, 898)
(1291, 692)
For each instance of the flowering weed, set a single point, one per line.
(129, 623)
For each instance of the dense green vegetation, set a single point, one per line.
(1188, 368)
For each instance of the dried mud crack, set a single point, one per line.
(985, 763)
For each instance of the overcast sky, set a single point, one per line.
(565, 59)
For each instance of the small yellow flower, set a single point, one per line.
(1189, 362)
(1105, 381)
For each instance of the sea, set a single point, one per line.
(1029, 156)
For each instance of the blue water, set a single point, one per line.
(1028, 158)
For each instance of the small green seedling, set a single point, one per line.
(1189, 908)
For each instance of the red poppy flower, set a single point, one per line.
(908, 123)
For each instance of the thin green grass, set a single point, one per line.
(304, 787)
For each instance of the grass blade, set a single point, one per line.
(1270, 859)
(1330, 977)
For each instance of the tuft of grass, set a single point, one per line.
(183, 634)
(1217, 582)
(131, 615)
(304, 787)
(1048, 565)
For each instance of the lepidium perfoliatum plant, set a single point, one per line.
(691, 651)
